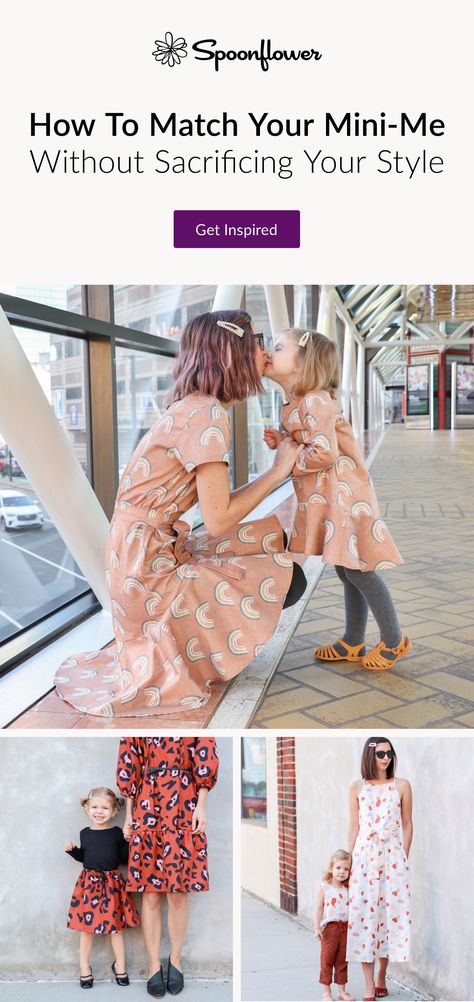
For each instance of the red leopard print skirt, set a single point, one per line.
(101, 904)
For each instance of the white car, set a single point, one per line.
(19, 511)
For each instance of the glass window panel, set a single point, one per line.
(254, 779)
(303, 306)
(63, 297)
(38, 575)
(143, 382)
(162, 310)
(263, 410)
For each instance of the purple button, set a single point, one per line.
(237, 228)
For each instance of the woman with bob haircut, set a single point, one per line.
(380, 836)
(190, 608)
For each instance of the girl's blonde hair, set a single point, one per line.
(339, 854)
(319, 363)
(104, 791)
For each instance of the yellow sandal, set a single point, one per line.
(329, 653)
(374, 660)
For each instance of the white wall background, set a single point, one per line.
(41, 782)
(441, 771)
(260, 869)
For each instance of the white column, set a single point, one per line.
(355, 416)
(371, 397)
(30, 428)
(327, 312)
(381, 395)
(454, 389)
(277, 308)
(347, 373)
(361, 385)
(228, 297)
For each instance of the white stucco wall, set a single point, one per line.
(41, 781)
(440, 769)
(260, 868)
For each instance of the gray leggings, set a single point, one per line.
(364, 590)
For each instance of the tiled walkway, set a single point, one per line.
(425, 484)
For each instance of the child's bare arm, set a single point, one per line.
(318, 913)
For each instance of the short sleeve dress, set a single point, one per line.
(337, 515)
(188, 609)
(163, 777)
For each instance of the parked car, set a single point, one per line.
(16, 469)
(10, 467)
(19, 511)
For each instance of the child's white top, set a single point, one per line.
(336, 904)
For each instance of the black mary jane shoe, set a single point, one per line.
(121, 979)
(156, 986)
(174, 980)
(86, 980)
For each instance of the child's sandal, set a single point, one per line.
(375, 659)
(86, 980)
(329, 653)
(121, 979)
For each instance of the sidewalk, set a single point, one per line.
(280, 960)
(425, 485)
(36, 991)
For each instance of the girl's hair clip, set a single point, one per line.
(304, 339)
(233, 328)
(372, 744)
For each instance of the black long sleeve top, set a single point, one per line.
(101, 848)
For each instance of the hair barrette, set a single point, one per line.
(304, 339)
(233, 328)
(372, 744)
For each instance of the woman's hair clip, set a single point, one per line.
(372, 744)
(304, 339)
(233, 328)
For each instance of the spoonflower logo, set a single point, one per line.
(171, 51)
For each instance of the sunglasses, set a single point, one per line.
(384, 754)
(261, 340)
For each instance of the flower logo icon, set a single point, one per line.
(171, 51)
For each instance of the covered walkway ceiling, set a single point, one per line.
(387, 319)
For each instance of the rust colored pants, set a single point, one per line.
(333, 954)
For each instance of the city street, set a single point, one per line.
(37, 572)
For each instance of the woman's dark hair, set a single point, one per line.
(368, 766)
(215, 361)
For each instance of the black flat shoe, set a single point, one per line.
(155, 985)
(174, 980)
(86, 980)
(121, 979)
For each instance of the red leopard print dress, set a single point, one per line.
(163, 776)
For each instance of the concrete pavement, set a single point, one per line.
(280, 960)
(198, 990)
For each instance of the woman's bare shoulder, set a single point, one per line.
(355, 786)
(403, 784)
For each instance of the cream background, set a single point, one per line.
(412, 56)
